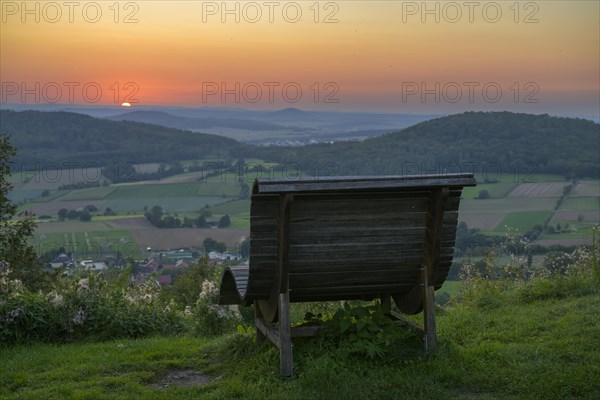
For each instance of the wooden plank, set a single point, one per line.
(352, 290)
(267, 331)
(350, 183)
(390, 265)
(306, 330)
(298, 282)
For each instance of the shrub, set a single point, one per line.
(85, 307)
(210, 318)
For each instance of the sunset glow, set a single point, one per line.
(360, 55)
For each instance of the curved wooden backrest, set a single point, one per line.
(349, 238)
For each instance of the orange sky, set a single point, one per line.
(369, 56)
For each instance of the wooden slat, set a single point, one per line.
(350, 183)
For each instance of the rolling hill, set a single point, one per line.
(492, 142)
(59, 137)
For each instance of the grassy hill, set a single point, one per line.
(534, 350)
(63, 137)
(498, 143)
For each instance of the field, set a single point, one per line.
(518, 201)
(524, 220)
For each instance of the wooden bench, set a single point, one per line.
(387, 237)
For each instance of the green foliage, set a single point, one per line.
(210, 318)
(483, 195)
(365, 331)
(225, 221)
(88, 306)
(523, 144)
(16, 229)
(76, 139)
(187, 286)
(560, 275)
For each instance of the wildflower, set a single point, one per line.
(83, 284)
(79, 317)
(188, 311)
(57, 300)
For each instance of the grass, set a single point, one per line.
(524, 220)
(582, 204)
(450, 287)
(100, 243)
(155, 190)
(232, 207)
(229, 189)
(539, 350)
(95, 193)
(496, 190)
(170, 204)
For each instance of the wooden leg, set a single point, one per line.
(429, 319)
(260, 337)
(285, 339)
(386, 303)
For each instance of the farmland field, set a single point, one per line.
(88, 244)
(542, 189)
(485, 221)
(496, 190)
(508, 204)
(517, 201)
(52, 207)
(582, 203)
(523, 220)
(587, 188)
(170, 204)
(134, 191)
(51, 179)
(88, 193)
(232, 207)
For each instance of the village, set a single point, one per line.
(160, 266)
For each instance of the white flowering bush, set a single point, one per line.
(85, 307)
(210, 318)
(561, 274)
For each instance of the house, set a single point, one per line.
(164, 280)
(62, 260)
(181, 264)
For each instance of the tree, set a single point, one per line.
(62, 214)
(244, 192)
(85, 216)
(200, 222)
(245, 248)
(73, 214)
(225, 221)
(16, 228)
(484, 194)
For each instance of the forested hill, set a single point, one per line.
(58, 137)
(492, 141)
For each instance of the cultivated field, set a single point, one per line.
(542, 189)
(516, 201)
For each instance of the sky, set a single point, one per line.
(383, 56)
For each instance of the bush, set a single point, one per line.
(84, 307)
(210, 318)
